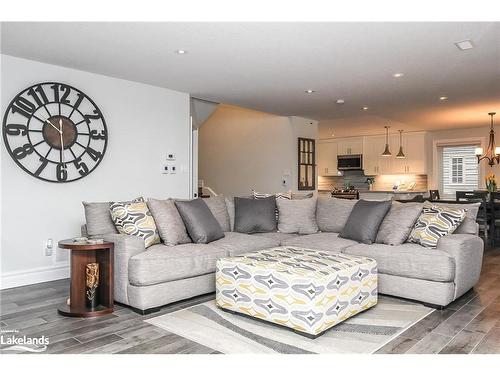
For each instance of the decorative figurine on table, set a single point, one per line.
(91, 285)
(491, 184)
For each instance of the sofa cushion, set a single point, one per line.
(135, 219)
(254, 215)
(297, 216)
(408, 260)
(200, 223)
(469, 225)
(98, 218)
(435, 222)
(332, 213)
(276, 236)
(238, 243)
(168, 221)
(217, 206)
(364, 220)
(320, 241)
(398, 223)
(162, 263)
(230, 211)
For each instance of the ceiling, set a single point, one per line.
(267, 66)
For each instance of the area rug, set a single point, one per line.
(229, 333)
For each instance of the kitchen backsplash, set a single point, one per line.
(382, 182)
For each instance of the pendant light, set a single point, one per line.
(386, 152)
(492, 153)
(401, 154)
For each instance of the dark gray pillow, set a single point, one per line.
(364, 220)
(200, 223)
(255, 215)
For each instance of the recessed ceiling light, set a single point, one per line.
(443, 98)
(181, 51)
(309, 91)
(365, 108)
(464, 44)
(398, 75)
(340, 101)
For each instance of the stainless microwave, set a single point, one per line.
(349, 162)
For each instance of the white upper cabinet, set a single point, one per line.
(350, 146)
(372, 149)
(326, 155)
(415, 161)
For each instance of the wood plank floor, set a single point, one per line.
(469, 325)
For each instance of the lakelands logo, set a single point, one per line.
(10, 341)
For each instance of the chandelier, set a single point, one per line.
(492, 153)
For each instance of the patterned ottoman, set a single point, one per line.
(303, 289)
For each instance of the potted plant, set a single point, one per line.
(491, 184)
(370, 181)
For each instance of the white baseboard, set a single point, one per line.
(34, 276)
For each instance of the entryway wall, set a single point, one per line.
(240, 149)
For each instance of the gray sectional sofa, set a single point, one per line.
(148, 279)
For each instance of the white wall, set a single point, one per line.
(242, 149)
(144, 123)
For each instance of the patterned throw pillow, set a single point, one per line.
(285, 195)
(135, 219)
(435, 222)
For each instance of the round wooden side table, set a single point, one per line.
(81, 256)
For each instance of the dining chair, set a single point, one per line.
(482, 215)
(434, 195)
(495, 217)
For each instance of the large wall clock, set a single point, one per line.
(55, 132)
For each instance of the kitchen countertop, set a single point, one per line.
(395, 191)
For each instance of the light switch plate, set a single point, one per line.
(165, 169)
(173, 169)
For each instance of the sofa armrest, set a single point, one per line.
(467, 251)
(125, 247)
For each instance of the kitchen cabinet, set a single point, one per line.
(350, 146)
(327, 158)
(414, 149)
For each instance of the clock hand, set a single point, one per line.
(62, 141)
(53, 126)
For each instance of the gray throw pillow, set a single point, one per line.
(254, 215)
(217, 206)
(364, 220)
(297, 216)
(332, 213)
(230, 211)
(168, 221)
(200, 223)
(469, 225)
(398, 223)
(98, 217)
(302, 196)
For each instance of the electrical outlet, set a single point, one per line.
(173, 169)
(165, 169)
(49, 247)
(170, 156)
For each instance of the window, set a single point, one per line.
(459, 169)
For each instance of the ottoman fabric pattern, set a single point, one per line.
(304, 289)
